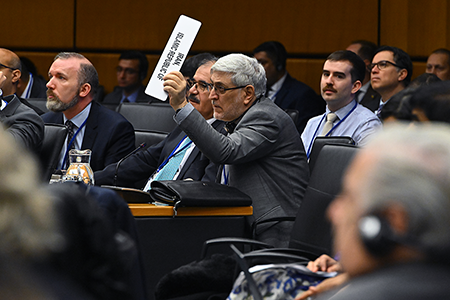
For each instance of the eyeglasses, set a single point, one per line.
(221, 90)
(383, 64)
(200, 85)
(128, 71)
(3, 66)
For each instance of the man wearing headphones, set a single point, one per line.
(284, 90)
(391, 220)
(131, 71)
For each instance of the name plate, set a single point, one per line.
(174, 54)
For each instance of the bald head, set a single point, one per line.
(10, 66)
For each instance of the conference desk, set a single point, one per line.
(168, 242)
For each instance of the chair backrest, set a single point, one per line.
(150, 137)
(312, 231)
(54, 137)
(40, 103)
(320, 141)
(144, 116)
(293, 113)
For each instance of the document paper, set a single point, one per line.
(174, 54)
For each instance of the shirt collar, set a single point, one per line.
(210, 121)
(132, 97)
(342, 112)
(277, 86)
(27, 91)
(81, 117)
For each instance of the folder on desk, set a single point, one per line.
(131, 195)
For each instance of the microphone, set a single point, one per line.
(125, 157)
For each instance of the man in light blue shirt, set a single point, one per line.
(342, 76)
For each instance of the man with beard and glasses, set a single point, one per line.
(72, 85)
(142, 168)
(18, 119)
(342, 76)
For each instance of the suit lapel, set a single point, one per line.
(281, 95)
(218, 125)
(91, 131)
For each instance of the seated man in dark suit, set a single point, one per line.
(31, 84)
(71, 89)
(131, 71)
(136, 170)
(19, 120)
(285, 91)
(263, 155)
(366, 95)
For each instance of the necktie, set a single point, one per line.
(331, 117)
(171, 167)
(71, 131)
(378, 112)
(126, 100)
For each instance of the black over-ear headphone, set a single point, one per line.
(377, 235)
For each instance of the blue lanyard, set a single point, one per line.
(174, 153)
(72, 141)
(331, 130)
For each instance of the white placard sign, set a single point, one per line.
(174, 54)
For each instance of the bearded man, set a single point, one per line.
(73, 82)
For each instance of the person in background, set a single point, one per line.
(284, 90)
(131, 69)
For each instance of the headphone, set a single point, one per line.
(379, 238)
(376, 235)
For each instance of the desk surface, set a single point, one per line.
(149, 210)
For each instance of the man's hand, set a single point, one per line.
(175, 85)
(325, 285)
(325, 264)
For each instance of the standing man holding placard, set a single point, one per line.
(262, 155)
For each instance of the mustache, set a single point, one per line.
(193, 99)
(329, 88)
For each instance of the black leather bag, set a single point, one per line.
(197, 193)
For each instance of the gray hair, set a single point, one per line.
(86, 74)
(28, 227)
(413, 170)
(244, 70)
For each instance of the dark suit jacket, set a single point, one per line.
(266, 159)
(108, 134)
(38, 89)
(115, 97)
(136, 170)
(371, 99)
(33, 107)
(297, 95)
(23, 124)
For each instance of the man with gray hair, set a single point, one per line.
(392, 220)
(71, 89)
(262, 155)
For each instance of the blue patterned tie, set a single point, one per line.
(70, 133)
(171, 167)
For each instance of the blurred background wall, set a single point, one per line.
(310, 30)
